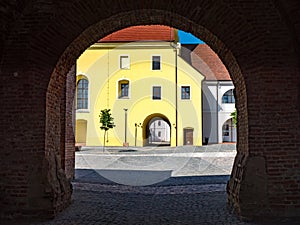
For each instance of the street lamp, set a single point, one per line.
(125, 143)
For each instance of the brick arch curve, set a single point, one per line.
(96, 31)
(253, 42)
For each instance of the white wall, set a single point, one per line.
(209, 107)
(224, 109)
(215, 113)
(159, 125)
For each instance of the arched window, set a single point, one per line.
(82, 94)
(123, 89)
(228, 97)
(229, 131)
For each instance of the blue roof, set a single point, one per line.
(188, 38)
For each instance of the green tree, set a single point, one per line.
(234, 117)
(107, 122)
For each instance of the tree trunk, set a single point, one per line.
(104, 140)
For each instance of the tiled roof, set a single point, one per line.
(207, 62)
(141, 33)
(203, 58)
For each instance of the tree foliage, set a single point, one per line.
(234, 117)
(106, 121)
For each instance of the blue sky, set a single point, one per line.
(188, 38)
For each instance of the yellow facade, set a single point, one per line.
(101, 65)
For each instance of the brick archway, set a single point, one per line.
(253, 50)
(97, 31)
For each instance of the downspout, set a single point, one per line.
(176, 46)
(176, 97)
(217, 111)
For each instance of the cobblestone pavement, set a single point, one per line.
(118, 204)
(94, 204)
(187, 197)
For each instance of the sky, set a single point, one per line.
(188, 38)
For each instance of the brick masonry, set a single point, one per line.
(69, 152)
(258, 41)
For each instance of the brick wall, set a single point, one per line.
(257, 41)
(69, 160)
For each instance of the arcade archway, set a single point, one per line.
(156, 130)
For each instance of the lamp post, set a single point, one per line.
(125, 143)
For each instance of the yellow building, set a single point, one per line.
(154, 95)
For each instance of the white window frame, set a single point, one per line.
(120, 62)
(151, 60)
(89, 92)
(117, 89)
(186, 85)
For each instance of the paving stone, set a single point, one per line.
(178, 200)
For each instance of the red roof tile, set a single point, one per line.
(141, 33)
(207, 62)
(203, 58)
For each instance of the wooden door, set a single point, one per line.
(188, 136)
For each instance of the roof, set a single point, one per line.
(141, 33)
(207, 62)
(203, 58)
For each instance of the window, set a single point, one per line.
(82, 94)
(228, 97)
(123, 89)
(156, 93)
(124, 62)
(159, 134)
(159, 123)
(185, 92)
(155, 62)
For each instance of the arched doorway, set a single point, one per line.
(56, 86)
(156, 130)
(229, 131)
(42, 76)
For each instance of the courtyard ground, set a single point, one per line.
(184, 185)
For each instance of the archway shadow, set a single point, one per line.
(95, 177)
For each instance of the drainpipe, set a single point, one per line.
(176, 46)
(217, 112)
(176, 96)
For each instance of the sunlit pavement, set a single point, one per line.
(194, 193)
(150, 165)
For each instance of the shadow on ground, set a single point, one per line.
(94, 176)
(176, 201)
